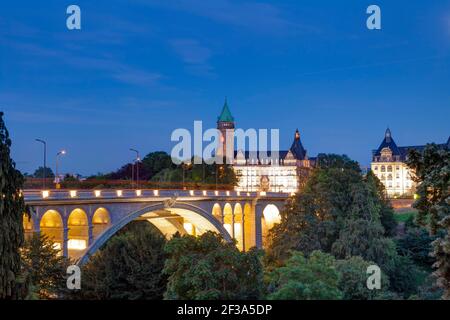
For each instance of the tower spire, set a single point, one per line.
(225, 115)
(388, 135)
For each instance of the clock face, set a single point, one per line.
(265, 183)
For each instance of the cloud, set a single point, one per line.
(191, 51)
(116, 70)
(260, 17)
(136, 76)
(71, 49)
(194, 55)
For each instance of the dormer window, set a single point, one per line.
(386, 154)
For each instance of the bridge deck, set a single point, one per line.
(131, 195)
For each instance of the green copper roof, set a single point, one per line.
(225, 116)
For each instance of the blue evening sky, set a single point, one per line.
(138, 69)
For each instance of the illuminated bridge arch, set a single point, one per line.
(195, 215)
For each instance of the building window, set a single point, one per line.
(376, 168)
(383, 169)
(389, 168)
(386, 154)
(390, 177)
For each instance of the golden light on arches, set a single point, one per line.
(271, 215)
(28, 226)
(77, 218)
(228, 218)
(27, 223)
(217, 212)
(51, 219)
(249, 219)
(51, 225)
(101, 221)
(101, 216)
(78, 234)
(238, 226)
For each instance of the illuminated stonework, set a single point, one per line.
(281, 173)
(388, 164)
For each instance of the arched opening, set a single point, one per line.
(78, 234)
(166, 220)
(238, 226)
(271, 216)
(228, 218)
(100, 222)
(249, 227)
(28, 225)
(51, 225)
(217, 212)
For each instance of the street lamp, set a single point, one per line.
(60, 153)
(185, 166)
(137, 167)
(45, 161)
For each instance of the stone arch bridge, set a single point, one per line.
(81, 221)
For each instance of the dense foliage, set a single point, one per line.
(44, 267)
(39, 173)
(347, 215)
(12, 208)
(312, 278)
(432, 172)
(128, 267)
(207, 267)
(337, 211)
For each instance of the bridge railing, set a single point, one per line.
(58, 194)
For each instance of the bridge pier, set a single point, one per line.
(65, 249)
(258, 208)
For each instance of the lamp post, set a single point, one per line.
(45, 161)
(137, 166)
(60, 153)
(185, 166)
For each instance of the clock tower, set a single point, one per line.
(225, 125)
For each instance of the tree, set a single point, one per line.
(386, 211)
(432, 173)
(334, 196)
(44, 267)
(360, 237)
(155, 162)
(404, 276)
(328, 161)
(39, 173)
(129, 266)
(208, 268)
(312, 278)
(12, 208)
(416, 243)
(198, 173)
(353, 279)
